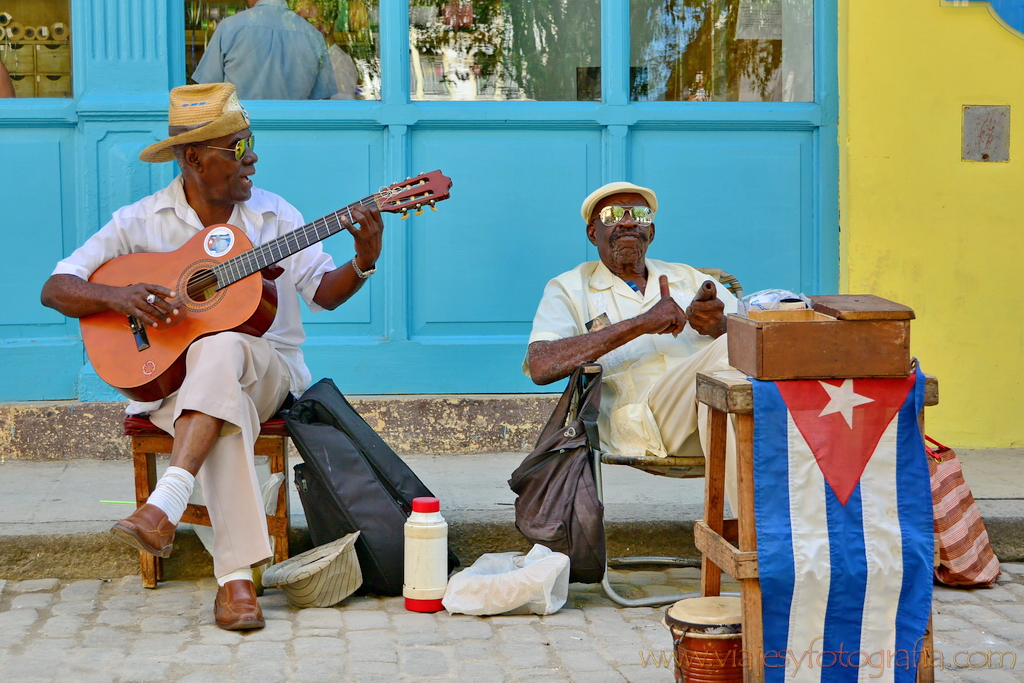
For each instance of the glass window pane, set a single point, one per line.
(285, 49)
(722, 50)
(35, 48)
(505, 49)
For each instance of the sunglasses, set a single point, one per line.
(612, 215)
(240, 147)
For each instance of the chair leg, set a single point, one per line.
(280, 464)
(149, 569)
(653, 600)
(150, 566)
(606, 586)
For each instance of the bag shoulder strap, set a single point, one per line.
(581, 399)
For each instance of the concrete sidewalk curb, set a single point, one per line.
(55, 516)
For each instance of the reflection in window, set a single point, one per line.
(35, 47)
(504, 49)
(351, 30)
(201, 19)
(722, 50)
(285, 49)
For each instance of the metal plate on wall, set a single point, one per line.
(986, 133)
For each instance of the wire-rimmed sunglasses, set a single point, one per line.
(240, 147)
(612, 215)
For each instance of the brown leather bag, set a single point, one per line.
(558, 504)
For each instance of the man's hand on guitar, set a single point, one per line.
(367, 231)
(145, 302)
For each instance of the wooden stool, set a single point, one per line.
(730, 545)
(148, 440)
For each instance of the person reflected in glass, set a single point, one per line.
(346, 74)
(269, 53)
(6, 85)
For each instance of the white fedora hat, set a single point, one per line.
(321, 577)
(615, 188)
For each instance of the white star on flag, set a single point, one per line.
(842, 400)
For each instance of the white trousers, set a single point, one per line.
(682, 421)
(242, 380)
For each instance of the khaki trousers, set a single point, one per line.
(682, 421)
(242, 380)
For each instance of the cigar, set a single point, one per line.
(706, 292)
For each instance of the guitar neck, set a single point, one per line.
(278, 249)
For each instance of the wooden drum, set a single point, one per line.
(707, 639)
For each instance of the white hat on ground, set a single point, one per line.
(321, 577)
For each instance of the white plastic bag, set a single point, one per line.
(535, 583)
(769, 300)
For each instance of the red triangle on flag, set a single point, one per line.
(821, 414)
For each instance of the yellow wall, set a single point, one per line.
(922, 227)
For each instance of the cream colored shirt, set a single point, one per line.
(574, 298)
(164, 221)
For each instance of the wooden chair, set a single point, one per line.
(676, 467)
(148, 440)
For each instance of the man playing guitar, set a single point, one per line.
(232, 381)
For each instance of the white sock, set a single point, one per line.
(243, 573)
(172, 492)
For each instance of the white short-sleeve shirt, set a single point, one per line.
(164, 221)
(590, 290)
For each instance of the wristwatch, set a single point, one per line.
(363, 274)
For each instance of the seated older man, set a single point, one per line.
(637, 318)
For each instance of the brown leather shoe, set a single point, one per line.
(148, 529)
(236, 608)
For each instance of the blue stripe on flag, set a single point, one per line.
(913, 491)
(774, 529)
(848, 584)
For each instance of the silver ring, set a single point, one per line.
(151, 299)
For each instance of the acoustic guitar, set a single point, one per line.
(216, 277)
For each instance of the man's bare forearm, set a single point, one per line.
(75, 297)
(551, 361)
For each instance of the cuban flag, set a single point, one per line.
(844, 528)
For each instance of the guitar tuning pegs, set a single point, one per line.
(432, 207)
(419, 211)
(405, 215)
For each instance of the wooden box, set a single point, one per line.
(857, 335)
(53, 85)
(19, 58)
(53, 58)
(24, 86)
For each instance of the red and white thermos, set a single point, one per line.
(426, 556)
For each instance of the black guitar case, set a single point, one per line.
(350, 479)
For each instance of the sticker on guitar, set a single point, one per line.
(219, 242)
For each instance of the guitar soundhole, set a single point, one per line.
(202, 285)
(199, 283)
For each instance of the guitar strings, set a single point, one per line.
(246, 264)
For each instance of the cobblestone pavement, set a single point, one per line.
(114, 630)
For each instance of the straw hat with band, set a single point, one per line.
(615, 188)
(198, 113)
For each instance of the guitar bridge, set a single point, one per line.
(139, 330)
